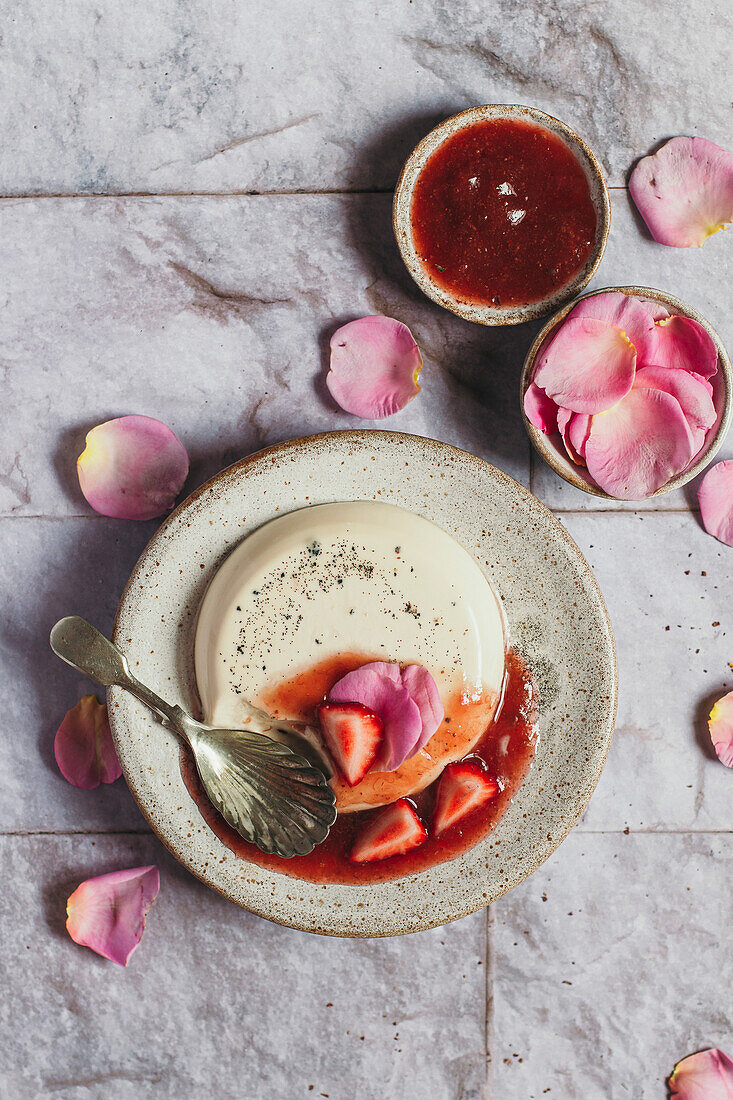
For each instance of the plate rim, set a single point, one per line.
(361, 435)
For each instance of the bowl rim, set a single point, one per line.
(541, 441)
(402, 202)
(181, 849)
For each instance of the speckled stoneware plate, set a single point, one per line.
(557, 620)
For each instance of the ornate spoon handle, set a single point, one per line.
(269, 794)
(83, 647)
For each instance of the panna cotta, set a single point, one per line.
(320, 591)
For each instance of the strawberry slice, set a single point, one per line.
(353, 734)
(395, 830)
(463, 787)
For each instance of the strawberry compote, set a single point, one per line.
(506, 748)
(502, 214)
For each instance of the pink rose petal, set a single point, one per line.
(699, 435)
(107, 913)
(716, 501)
(692, 392)
(540, 410)
(588, 367)
(132, 468)
(634, 316)
(721, 729)
(684, 192)
(680, 342)
(424, 691)
(407, 701)
(656, 309)
(578, 431)
(375, 364)
(704, 1076)
(83, 747)
(574, 426)
(392, 703)
(636, 447)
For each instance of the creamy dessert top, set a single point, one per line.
(361, 577)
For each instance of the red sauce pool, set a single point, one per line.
(507, 748)
(502, 214)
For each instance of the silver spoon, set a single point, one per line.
(272, 796)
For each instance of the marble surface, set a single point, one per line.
(224, 1003)
(608, 960)
(213, 312)
(226, 96)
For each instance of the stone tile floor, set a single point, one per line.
(213, 312)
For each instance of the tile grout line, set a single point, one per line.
(146, 831)
(75, 832)
(489, 1004)
(293, 193)
(653, 832)
(622, 511)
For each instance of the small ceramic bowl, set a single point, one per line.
(551, 448)
(401, 215)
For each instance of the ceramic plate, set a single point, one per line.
(556, 617)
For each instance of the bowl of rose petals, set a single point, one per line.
(626, 393)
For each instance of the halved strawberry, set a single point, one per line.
(463, 787)
(393, 831)
(353, 734)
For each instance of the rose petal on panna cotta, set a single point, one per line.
(684, 192)
(636, 447)
(716, 501)
(375, 364)
(83, 746)
(720, 724)
(107, 913)
(424, 692)
(387, 697)
(133, 467)
(634, 316)
(707, 1075)
(540, 410)
(588, 367)
(361, 684)
(682, 343)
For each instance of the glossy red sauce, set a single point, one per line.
(506, 748)
(502, 214)
(464, 723)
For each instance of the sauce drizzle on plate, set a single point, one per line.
(507, 749)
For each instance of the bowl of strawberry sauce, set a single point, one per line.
(501, 214)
